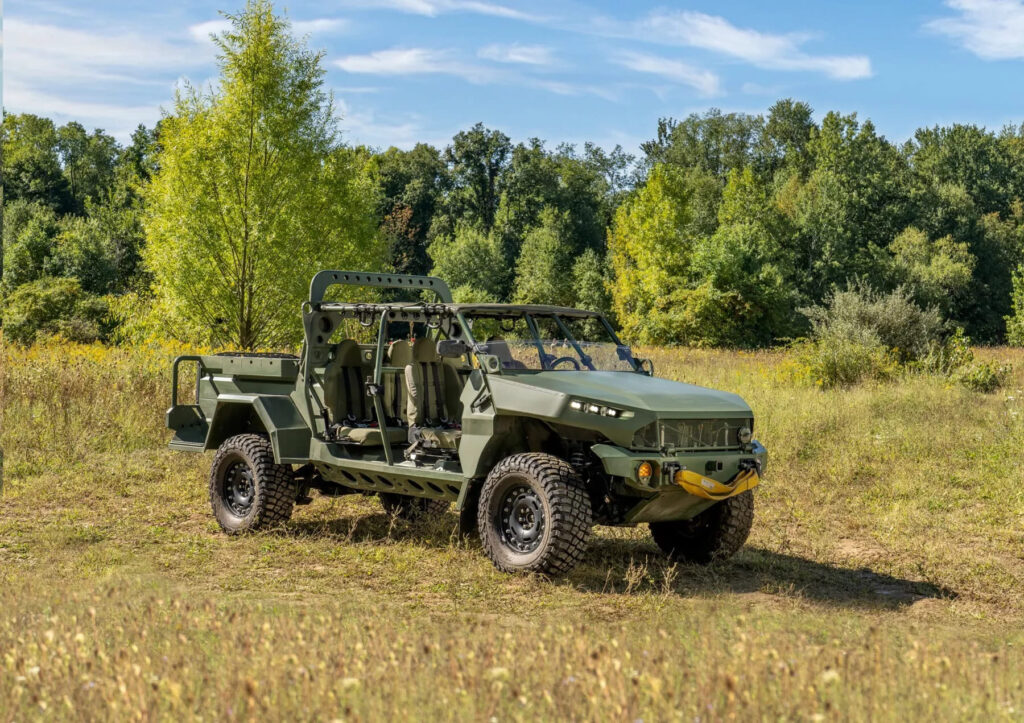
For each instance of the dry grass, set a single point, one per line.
(882, 579)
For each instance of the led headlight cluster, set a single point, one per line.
(581, 405)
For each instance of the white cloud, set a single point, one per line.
(41, 50)
(516, 53)
(413, 61)
(764, 50)
(432, 8)
(77, 74)
(991, 29)
(704, 81)
(203, 31)
(320, 25)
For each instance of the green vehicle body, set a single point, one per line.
(502, 412)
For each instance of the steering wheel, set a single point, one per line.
(561, 359)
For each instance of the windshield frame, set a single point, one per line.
(537, 340)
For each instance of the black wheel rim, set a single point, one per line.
(521, 518)
(239, 489)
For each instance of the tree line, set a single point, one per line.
(208, 226)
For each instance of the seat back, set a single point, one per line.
(344, 393)
(497, 346)
(425, 380)
(396, 399)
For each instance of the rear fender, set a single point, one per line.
(273, 415)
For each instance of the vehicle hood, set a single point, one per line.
(629, 390)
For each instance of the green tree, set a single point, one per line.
(88, 161)
(476, 159)
(32, 168)
(81, 250)
(714, 142)
(937, 273)
(590, 282)
(48, 306)
(1015, 320)
(852, 206)
(253, 191)
(543, 271)
(650, 253)
(412, 185)
(472, 263)
(30, 228)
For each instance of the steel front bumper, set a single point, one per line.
(683, 485)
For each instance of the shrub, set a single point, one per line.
(835, 361)
(49, 307)
(893, 319)
(983, 377)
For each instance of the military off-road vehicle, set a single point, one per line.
(537, 421)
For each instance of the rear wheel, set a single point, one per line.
(413, 508)
(248, 490)
(714, 535)
(534, 515)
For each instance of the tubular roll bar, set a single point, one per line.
(326, 279)
(174, 375)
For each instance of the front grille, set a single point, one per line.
(691, 434)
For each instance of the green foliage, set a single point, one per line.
(32, 170)
(543, 273)
(937, 273)
(1015, 321)
(54, 306)
(477, 158)
(891, 319)
(253, 191)
(472, 264)
(650, 256)
(590, 283)
(835, 361)
(985, 377)
(82, 251)
(29, 230)
(411, 187)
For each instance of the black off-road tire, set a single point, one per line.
(547, 488)
(413, 509)
(250, 457)
(715, 535)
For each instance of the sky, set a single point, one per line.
(408, 71)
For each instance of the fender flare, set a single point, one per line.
(277, 415)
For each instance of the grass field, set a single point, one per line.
(883, 578)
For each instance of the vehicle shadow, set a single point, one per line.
(376, 527)
(637, 567)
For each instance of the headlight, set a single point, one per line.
(580, 405)
(744, 435)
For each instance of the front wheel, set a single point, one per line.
(534, 515)
(248, 490)
(714, 535)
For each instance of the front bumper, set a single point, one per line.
(706, 478)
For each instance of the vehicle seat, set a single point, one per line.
(350, 408)
(497, 346)
(428, 382)
(396, 399)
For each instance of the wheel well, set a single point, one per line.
(232, 419)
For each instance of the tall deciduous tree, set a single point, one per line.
(253, 192)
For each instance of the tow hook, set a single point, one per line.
(700, 486)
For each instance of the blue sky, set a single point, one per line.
(419, 70)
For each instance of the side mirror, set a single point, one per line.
(489, 363)
(452, 348)
(646, 366)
